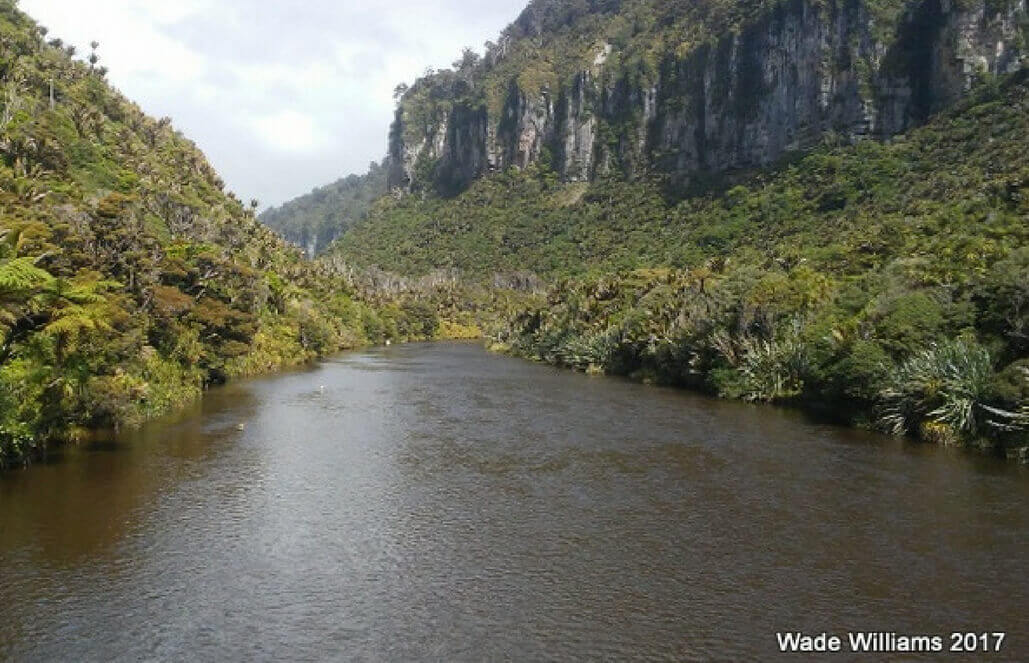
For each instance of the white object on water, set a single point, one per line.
(388, 343)
(241, 427)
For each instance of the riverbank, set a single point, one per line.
(900, 360)
(1017, 452)
(159, 391)
(265, 363)
(886, 282)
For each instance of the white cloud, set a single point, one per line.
(282, 96)
(289, 131)
(129, 34)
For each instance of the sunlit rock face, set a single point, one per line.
(791, 76)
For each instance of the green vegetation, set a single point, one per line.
(793, 335)
(949, 388)
(313, 221)
(949, 194)
(888, 282)
(129, 279)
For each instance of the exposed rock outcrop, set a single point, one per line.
(790, 75)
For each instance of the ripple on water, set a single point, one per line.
(438, 502)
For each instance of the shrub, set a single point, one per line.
(112, 400)
(454, 330)
(950, 384)
(908, 322)
(772, 370)
(766, 370)
(21, 386)
(1003, 295)
(858, 373)
(1012, 385)
(589, 351)
(418, 320)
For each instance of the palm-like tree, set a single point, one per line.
(949, 384)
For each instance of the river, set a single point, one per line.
(435, 502)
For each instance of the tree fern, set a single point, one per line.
(21, 275)
(20, 281)
(78, 307)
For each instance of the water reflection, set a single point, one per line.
(83, 501)
(438, 502)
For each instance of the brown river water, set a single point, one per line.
(435, 502)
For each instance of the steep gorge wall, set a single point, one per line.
(788, 77)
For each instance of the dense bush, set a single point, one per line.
(949, 197)
(810, 344)
(947, 390)
(129, 279)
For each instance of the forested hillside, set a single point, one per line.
(951, 192)
(130, 279)
(315, 220)
(885, 283)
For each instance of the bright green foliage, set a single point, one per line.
(771, 370)
(20, 279)
(19, 276)
(129, 279)
(715, 330)
(949, 385)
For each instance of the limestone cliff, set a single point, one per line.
(596, 87)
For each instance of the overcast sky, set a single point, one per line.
(282, 96)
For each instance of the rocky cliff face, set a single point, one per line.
(779, 82)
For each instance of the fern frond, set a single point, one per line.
(75, 319)
(21, 275)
